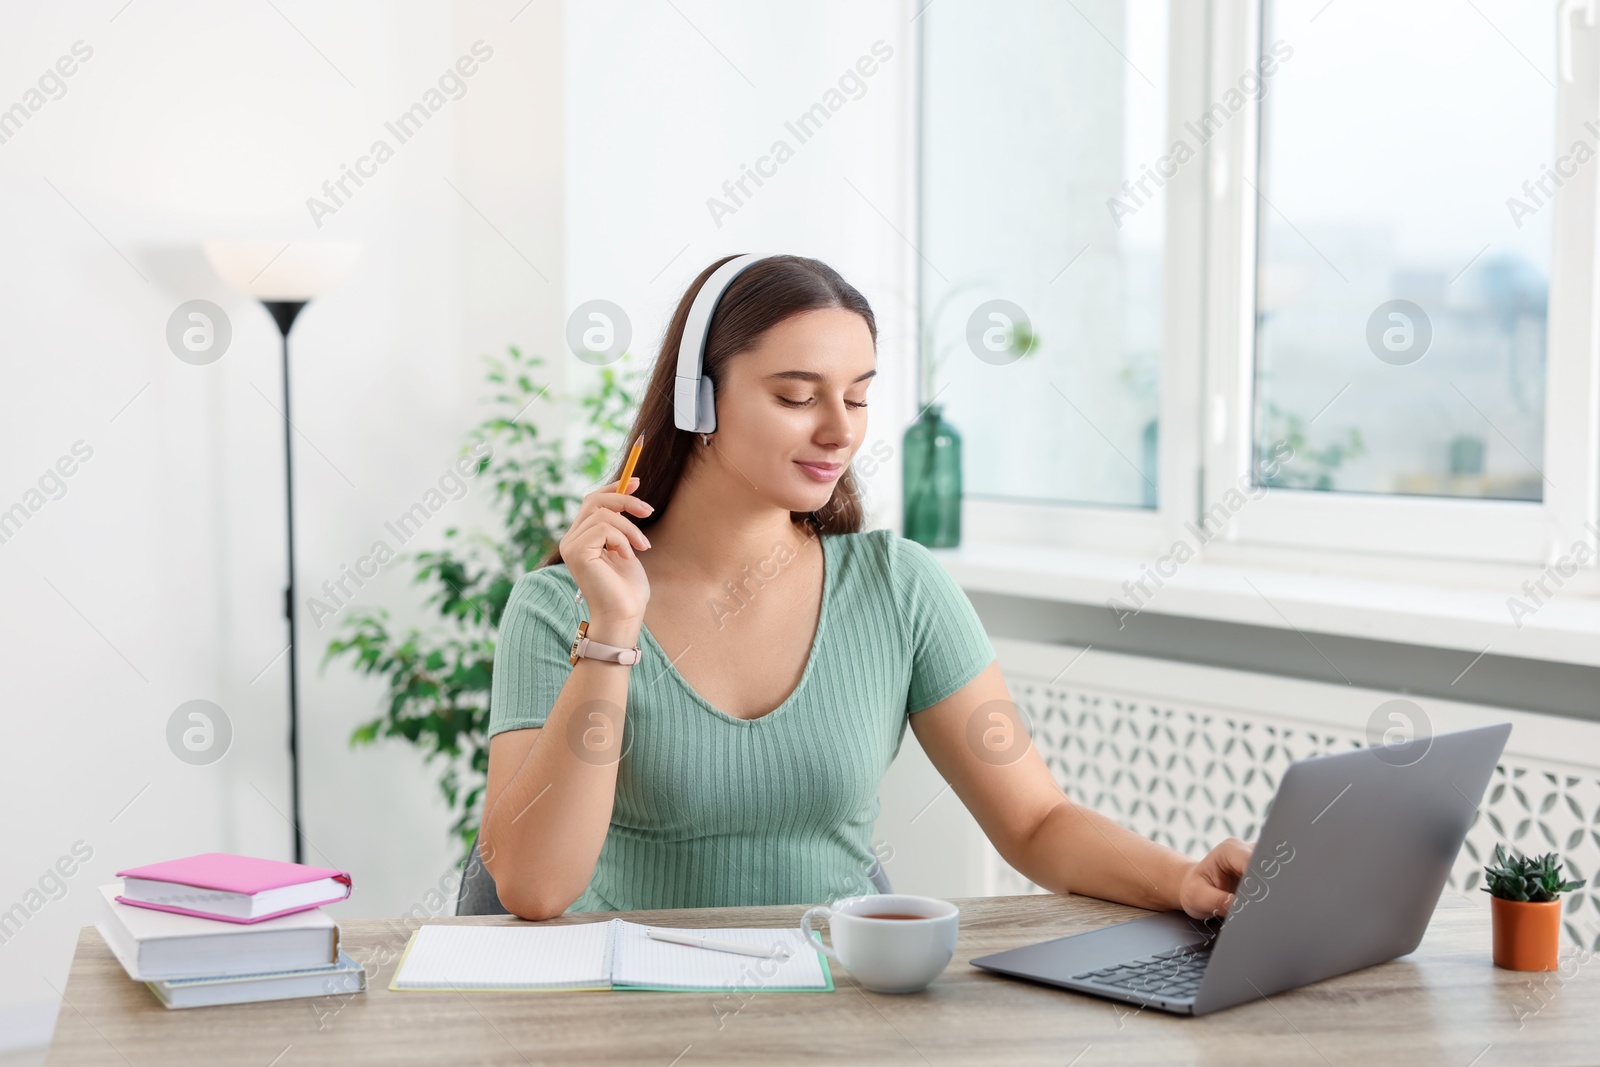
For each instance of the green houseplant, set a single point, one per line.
(437, 682)
(1525, 895)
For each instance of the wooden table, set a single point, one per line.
(1444, 1004)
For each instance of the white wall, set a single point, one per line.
(670, 101)
(157, 577)
(583, 151)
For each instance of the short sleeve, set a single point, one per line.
(532, 655)
(948, 644)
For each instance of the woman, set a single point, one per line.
(783, 652)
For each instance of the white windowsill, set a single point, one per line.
(1565, 629)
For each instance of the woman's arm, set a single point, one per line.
(548, 802)
(978, 742)
(549, 798)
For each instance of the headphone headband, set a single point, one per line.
(693, 406)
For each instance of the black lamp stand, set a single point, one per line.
(284, 313)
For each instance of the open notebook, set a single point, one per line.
(614, 954)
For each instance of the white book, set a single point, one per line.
(612, 954)
(340, 979)
(152, 944)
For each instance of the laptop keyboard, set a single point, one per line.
(1174, 974)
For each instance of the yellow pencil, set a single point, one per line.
(633, 459)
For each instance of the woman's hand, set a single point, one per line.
(600, 551)
(1208, 886)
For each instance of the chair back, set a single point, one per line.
(880, 877)
(478, 895)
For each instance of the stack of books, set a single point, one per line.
(223, 929)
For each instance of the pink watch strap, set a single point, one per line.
(591, 649)
(585, 648)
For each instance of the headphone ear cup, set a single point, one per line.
(707, 406)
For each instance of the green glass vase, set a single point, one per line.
(932, 480)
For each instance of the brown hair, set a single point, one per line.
(763, 295)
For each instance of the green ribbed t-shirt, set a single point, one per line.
(712, 810)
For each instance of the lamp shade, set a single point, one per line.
(282, 270)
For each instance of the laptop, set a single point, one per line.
(1345, 874)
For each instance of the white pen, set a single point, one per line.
(714, 943)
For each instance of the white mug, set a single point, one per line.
(889, 955)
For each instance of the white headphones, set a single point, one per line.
(693, 406)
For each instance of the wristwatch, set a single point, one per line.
(585, 648)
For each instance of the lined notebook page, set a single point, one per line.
(638, 960)
(506, 957)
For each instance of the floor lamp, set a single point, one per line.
(285, 276)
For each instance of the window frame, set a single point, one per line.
(1144, 530)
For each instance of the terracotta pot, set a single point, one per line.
(1527, 936)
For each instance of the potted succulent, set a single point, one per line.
(1525, 898)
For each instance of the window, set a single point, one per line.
(1356, 316)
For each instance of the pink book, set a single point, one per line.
(238, 889)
